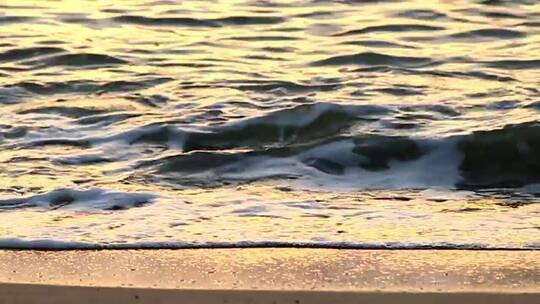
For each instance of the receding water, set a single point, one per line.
(350, 123)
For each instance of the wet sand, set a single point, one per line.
(270, 276)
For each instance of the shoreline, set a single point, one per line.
(43, 294)
(269, 276)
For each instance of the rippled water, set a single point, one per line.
(350, 123)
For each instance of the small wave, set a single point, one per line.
(508, 157)
(485, 159)
(77, 60)
(185, 21)
(299, 124)
(489, 33)
(295, 125)
(375, 59)
(421, 14)
(438, 73)
(249, 20)
(264, 38)
(514, 64)
(379, 44)
(72, 112)
(392, 28)
(530, 24)
(80, 199)
(68, 142)
(165, 21)
(87, 86)
(267, 86)
(400, 91)
(105, 119)
(27, 53)
(86, 159)
(10, 132)
(14, 19)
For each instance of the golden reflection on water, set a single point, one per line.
(200, 66)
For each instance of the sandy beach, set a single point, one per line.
(269, 276)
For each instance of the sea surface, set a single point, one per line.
(253, 123)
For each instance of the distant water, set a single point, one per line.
(348, 123)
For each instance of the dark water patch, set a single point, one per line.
(126, 85)
(436, 73)
(534, 105)
(93, 23)
(398, 91)
(67, 142)
(375, 59)
(105, 119)
(400, 125)
(158, 134)
(508, 157)
(267, 86)
(83, 160)
(27, 53)
(503, 105)
(316, 14)
(380, 150)
(249, 20)
(72, 112)
(421, 14)
(356, 1)
(502, 15)
(278, 49)
(514, 64)
(87, 86)
(285, 85)
(325, 165)
(470, 74)
(378, 44)
(442, 109)
(530, 24)
(51, 42)
(11, 132)
(506, 3)
(77, 60)
(196, 162)
(51, 88)
(13, 69)
(114, 11)
(498, 33)
(22, 7)
(186, 65)
(263, 38)
(164, 21)
(14, 19)
(153, 101)
(263, 57)
(392, 28)
(499, 93)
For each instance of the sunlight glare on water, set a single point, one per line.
(349, 123)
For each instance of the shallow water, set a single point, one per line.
(270, 123)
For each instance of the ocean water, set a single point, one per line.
(317, 123)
